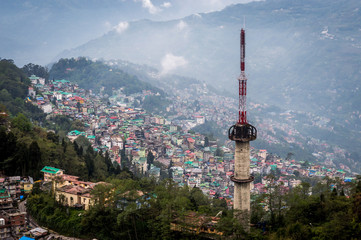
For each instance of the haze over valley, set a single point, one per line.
(131, 119)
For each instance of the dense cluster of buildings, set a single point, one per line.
(187, 157)
(12, 220)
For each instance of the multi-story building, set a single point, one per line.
(5, 227)
(6, 201)
(51, 172)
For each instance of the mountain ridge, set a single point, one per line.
(289, 53)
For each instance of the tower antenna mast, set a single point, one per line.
(242, 82)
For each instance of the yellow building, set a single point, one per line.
(27, 187)
(68, 189)
(74, 196)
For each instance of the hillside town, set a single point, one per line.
(176, 151)
(154, 146)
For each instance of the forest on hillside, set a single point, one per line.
(14, 85)
(96, 75)
(142, 208)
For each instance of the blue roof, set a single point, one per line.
(26, 238)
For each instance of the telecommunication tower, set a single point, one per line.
(242, 133)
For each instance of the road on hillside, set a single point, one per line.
(33, 224)
(29, 220)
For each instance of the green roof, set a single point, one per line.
(4, 193)
(62, 81)
(76, 133)
(51, 170)
(33, 77)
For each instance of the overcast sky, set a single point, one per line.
(38, 30)
(168, 9)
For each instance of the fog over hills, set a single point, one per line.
(300, 54)
(36, 31)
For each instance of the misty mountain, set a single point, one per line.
(36, 31)
(151, 75)
(302, 55)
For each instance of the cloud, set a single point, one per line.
(171, 62)
(121, 27)
(166, 5)
(151, 8)
(181, 25)
(107, 25)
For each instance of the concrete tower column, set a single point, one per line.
(241, 200)
(242, 134)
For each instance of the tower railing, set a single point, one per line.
(242, 132)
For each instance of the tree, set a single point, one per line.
(78, 106)
(108, 162)
(52, 137)
(150, 159)
(37, 70)
(289, 156)
(5, 96)
(77, 125)
(219, 152)
(89, 161)
(22, 123)
(100, 168)
(206, 142)
(34, 161)
(198, 199)
(275, 199)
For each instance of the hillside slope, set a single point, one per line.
(96, 75)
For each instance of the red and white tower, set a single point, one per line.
(242, 81)
(242, 133)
